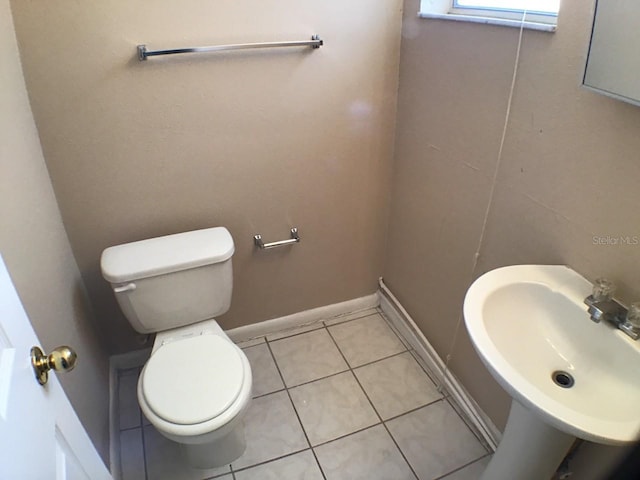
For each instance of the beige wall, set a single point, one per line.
(569, 171)
(36, 250)
(256, 141)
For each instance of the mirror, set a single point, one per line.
(613, 63)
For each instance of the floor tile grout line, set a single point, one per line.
(406, 460)
(324, 325)
(321, 324)
(119, 389)
(144, 453)
(130, 428)
(337, 373)
(269, 393)
(397, 446)
(264, 462)
(364, 364)
(443, 477)
(376, 411)
(341, 353)
(442, 399)
(315, 380)
(414, 409)
(321, 321)
(397, 355)
(380, 360)
(220, 475)
(349, 367)
(304, 431)
(384, 425)
(308, 381)
(341, 437)
(144, 449)
(365, 393)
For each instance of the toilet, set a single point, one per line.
(196, 386)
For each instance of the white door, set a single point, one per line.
(41, 437)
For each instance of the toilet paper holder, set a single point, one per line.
(295, 238)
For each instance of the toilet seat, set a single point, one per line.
(193, 380)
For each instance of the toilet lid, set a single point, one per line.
(193, 380)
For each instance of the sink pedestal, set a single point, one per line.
(530, 449)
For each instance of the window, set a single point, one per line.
(532, 14)
(548, 7)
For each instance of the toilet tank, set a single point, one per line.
(171, 281)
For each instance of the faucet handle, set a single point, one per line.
(603, 290)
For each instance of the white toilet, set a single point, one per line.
(196, 385)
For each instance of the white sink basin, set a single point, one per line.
(528, 321)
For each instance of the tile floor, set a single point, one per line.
(339, 399)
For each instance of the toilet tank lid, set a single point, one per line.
(171, 253)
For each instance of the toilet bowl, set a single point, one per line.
(194, 389)
(196, 386)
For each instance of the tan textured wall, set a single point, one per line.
(36, 250)
(569, 171)
(256, 141)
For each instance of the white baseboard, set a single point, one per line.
(401, 319)
(306, 317)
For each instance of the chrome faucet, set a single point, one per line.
(602, 306)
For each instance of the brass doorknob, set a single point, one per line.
(61, 359)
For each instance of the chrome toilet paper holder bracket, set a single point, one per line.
(295, 238)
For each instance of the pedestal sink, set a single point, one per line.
(568, 376)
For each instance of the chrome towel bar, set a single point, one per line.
(143, 53)
(257, 239)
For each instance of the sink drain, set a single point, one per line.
(562, 379)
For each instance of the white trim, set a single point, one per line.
(503, 22)
(401, 319)
(306, 317)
